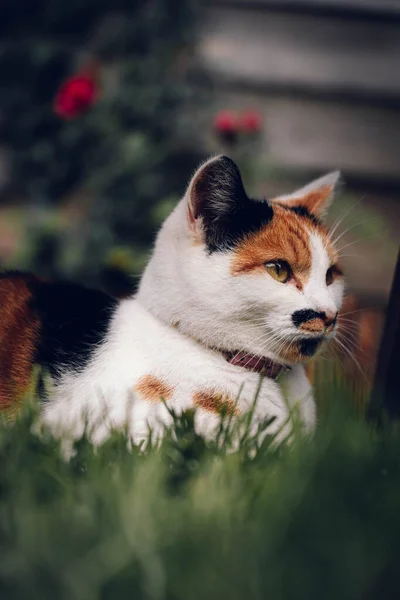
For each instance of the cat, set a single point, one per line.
(236, 290)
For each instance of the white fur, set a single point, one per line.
(188, 304)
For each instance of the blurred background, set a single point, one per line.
(106, 108)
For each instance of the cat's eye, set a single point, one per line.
(279, 270)
(331, 273)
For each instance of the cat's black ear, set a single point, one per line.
(216, 189)
(215, 194)
(220, 214)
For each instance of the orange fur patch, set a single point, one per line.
(285, 238)
(313, 325)
(153, 389)
(19, 332)
(215, 402)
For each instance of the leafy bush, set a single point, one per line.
(117, 168)
(318, 518)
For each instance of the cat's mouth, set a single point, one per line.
(297, 348)
(302, 349)
(309, 346)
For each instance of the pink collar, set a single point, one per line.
(257, 364)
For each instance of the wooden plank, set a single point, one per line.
(302, 52)
(385, 8)
(311, 135)
(386, 392)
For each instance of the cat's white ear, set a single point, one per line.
(215, 189)
(316, 197)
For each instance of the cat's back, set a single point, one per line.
(19, 330)
(54, 324)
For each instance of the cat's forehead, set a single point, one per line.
(286, 237)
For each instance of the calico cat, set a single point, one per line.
(235, 288)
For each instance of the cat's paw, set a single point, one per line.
(250, 402)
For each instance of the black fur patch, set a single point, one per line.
(226, 233)
(74, 321)
(306, 314)
(227, 212)
(308, 347)
(302, 211)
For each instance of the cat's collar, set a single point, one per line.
(258, 364)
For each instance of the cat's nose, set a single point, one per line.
(329, 317)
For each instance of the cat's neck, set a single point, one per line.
(159, 290)
(165, 291)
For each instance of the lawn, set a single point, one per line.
(315, 518)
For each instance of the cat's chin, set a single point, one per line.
(302, 349)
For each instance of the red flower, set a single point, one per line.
(226, 121)
(75, 96)
(250, 121)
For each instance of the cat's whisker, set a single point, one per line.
(349, 337)
(252, 355)
(351, 256)
(284, 344)
(348, 353)
(369, 237)
(347, 320)
(269, 342)
(341, 218)
(337, 356)
(349, 334)
(322, 357)
(348, 325)
(353, 347)
(354, 332)
(335, 241)
(356, 346)
(352, 312)
(348, 245)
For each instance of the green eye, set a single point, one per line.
(279, 270)
(331, 273)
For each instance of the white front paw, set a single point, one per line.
(264, 409)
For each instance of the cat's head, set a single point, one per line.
(254, 275)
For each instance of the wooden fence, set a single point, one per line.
(325, 74)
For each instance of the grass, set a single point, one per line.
(317, 518)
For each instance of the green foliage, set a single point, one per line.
(318, 518)
(131, 152)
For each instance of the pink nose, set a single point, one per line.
(329, 318)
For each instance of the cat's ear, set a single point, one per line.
(215, 190)
(315, 197)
